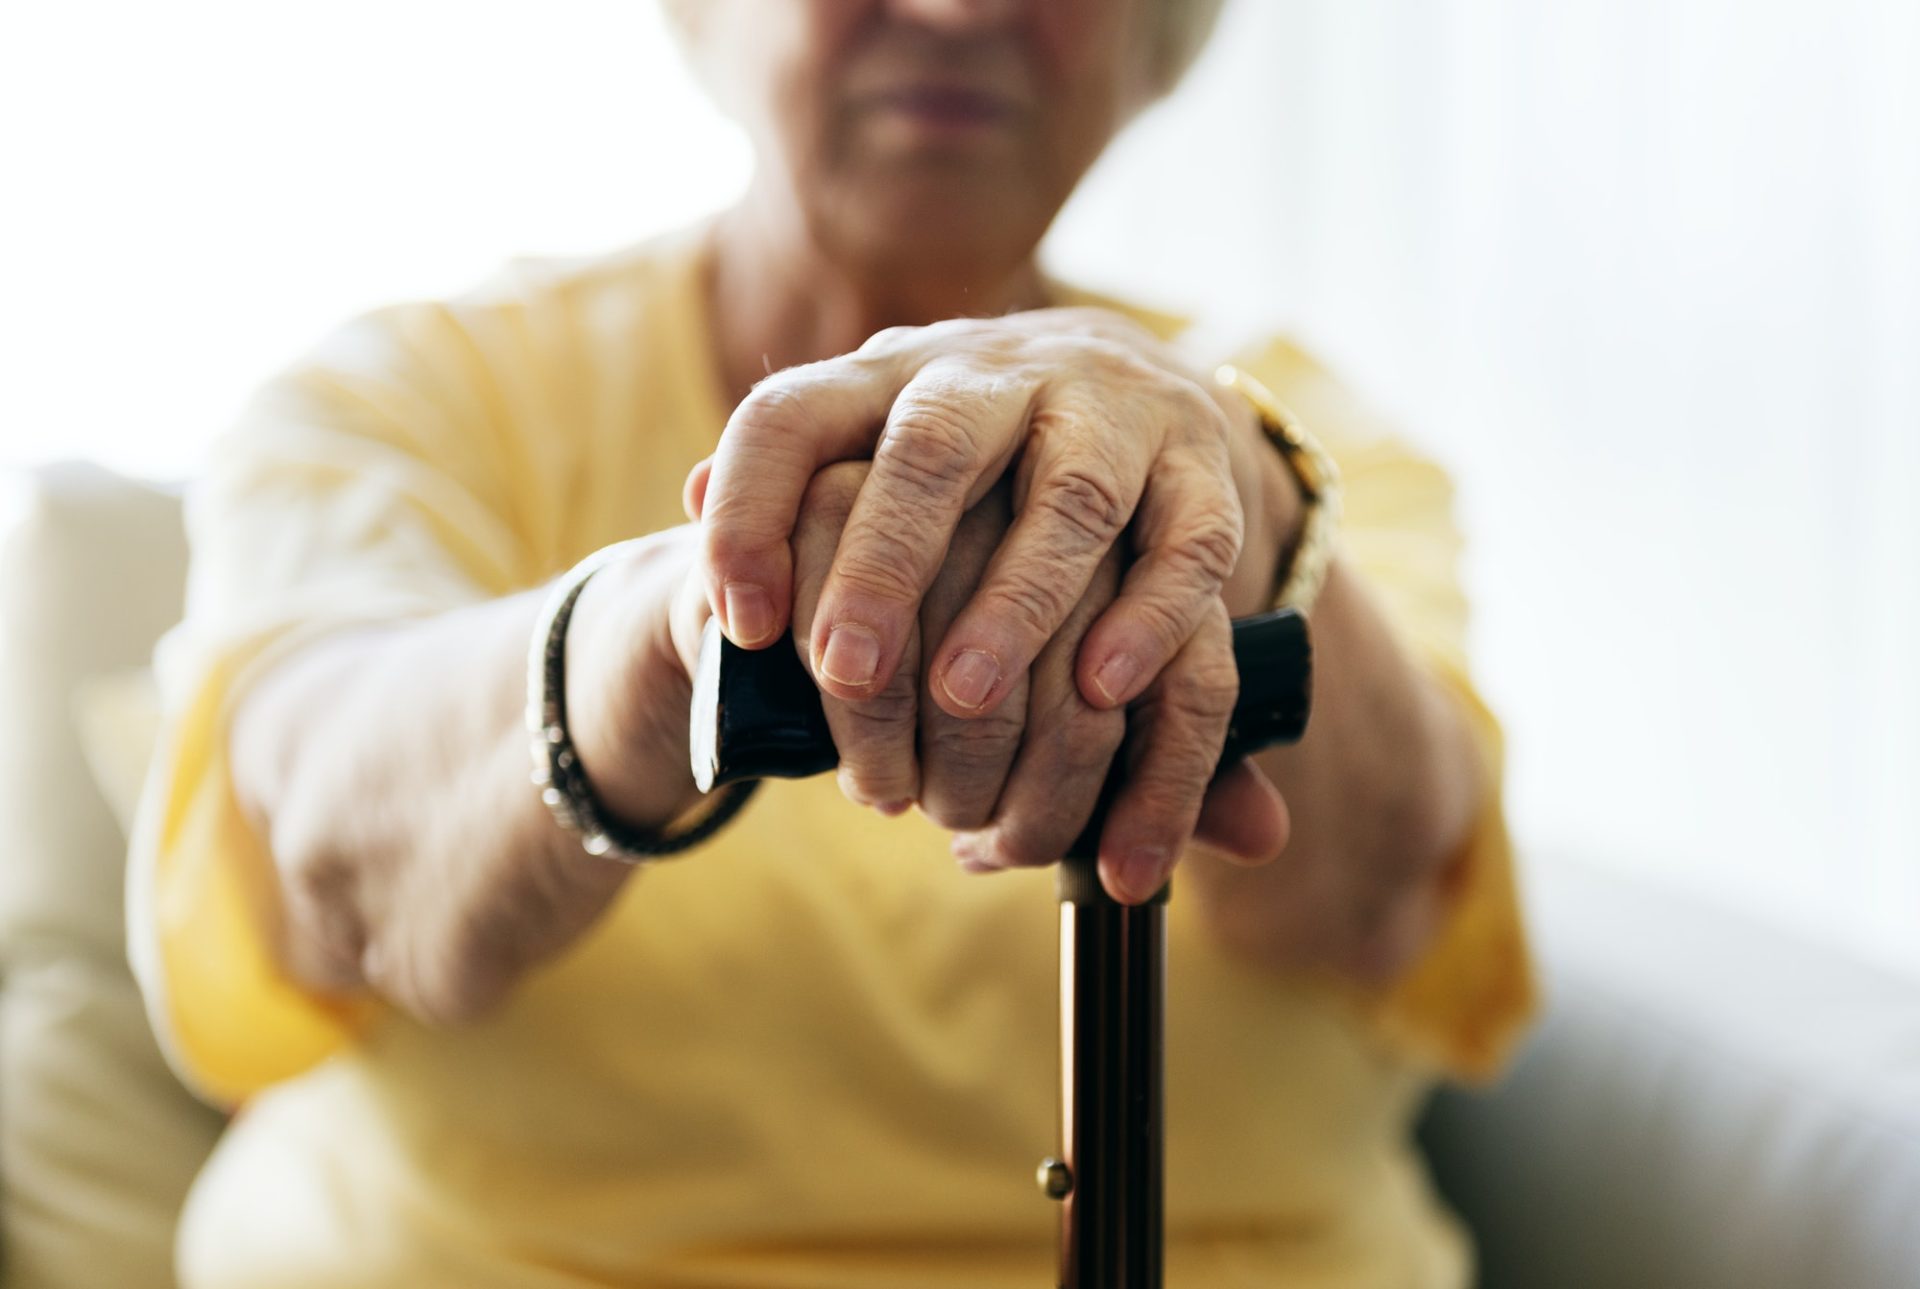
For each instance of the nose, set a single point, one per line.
(960, 17)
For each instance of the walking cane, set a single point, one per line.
(757, 715)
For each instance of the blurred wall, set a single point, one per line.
(1648, 273)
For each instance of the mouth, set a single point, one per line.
(943, 111)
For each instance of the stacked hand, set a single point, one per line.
(1001, 545)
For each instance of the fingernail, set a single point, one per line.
(749, 613)
(1142, 871)
(971, 677)
(893, 809)
(1115, 675)
(852, 656)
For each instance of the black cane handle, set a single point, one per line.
(757, 713)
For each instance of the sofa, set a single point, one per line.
(1708, 1103)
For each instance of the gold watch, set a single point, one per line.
(1299, 581)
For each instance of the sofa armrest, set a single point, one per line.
(1708, 1104)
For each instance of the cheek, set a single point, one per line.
(1092, 54)
(775, 59)
(807, 59)
(1078, 40)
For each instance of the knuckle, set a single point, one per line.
(886, 719)
(865, 787)
(978, 745)
(1087, 500)
(1206, 691)
(1074, 758)
(1169, 622)
(1171, 798)
(1198, 411)
(1028, 600)
(930, 448)
(869, 775)
(1172, 777)
(888, 338)
(870, 785)
(955, 811)
(1020, 841)
(949, 336)
(1105, 348)
(1091, 740)
(726, 546)
(1210, 545)
(960, 800)
(1076, 741)
(966, 770)
(878, 567)
(965, 767)
(778, 403)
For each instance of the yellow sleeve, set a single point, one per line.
(358, 488)
(1465, 1004)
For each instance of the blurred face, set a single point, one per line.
(925, 136)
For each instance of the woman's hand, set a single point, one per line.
(1108, 430)
(1017, 786)
(414, 858)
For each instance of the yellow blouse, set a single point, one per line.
(811, 1054)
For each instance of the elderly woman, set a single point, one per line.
(1007, 523)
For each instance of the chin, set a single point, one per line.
(938, 229)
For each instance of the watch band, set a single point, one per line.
(1298, 583)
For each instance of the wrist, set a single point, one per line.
(628, 692)
(1272, 501)
(1309, 545)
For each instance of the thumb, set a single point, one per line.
(688, 612)
(1244, 815)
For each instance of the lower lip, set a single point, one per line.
(945, 115)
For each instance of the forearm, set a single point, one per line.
(1382, 792)
(388, 768)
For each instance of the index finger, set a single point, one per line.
(780, 435)
(949, 435)
(1174, 738)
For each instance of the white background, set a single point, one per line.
(1646, 272)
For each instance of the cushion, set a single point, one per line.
(98, 1142)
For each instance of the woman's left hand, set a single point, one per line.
(1108, 428)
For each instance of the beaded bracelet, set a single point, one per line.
(557, 771)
